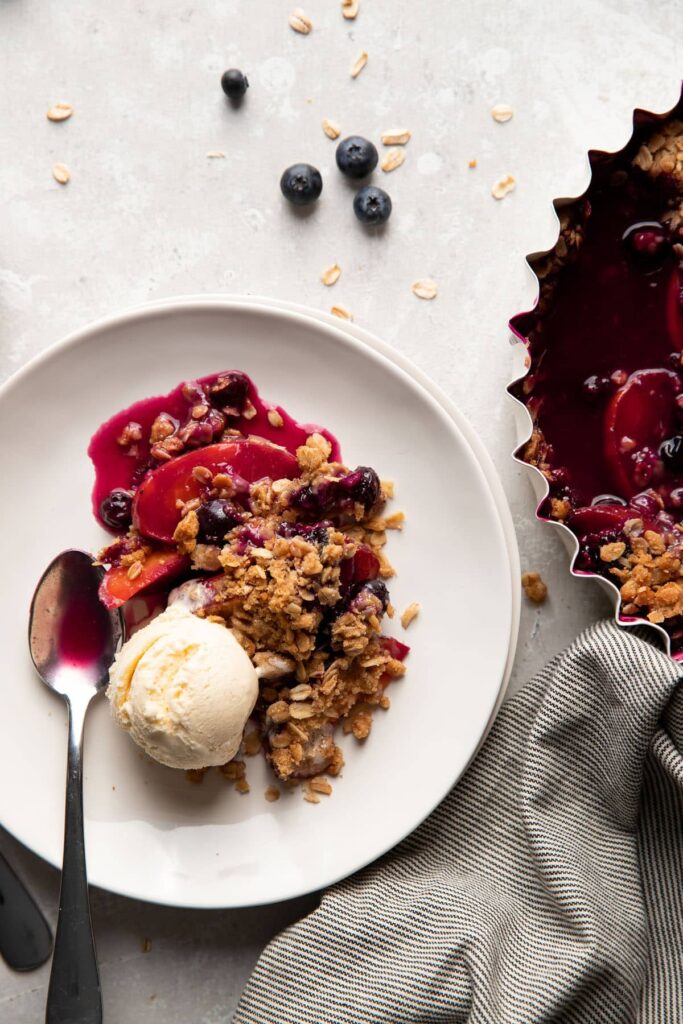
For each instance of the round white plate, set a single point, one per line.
(149, 833)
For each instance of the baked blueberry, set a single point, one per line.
(116, 509)
(216, 518)
(671, 452)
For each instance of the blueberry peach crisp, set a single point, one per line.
(605, 381)
(228, 511)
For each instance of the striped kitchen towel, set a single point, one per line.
(547, 887)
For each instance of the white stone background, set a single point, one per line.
(147, 215)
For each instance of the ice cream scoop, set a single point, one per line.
(183, 687)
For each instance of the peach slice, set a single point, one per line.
(159, 567)
(639, 417)
(156, 511)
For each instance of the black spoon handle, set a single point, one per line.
(25, 936)
(74, 993)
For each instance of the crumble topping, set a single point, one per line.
(534, 587)
(281, 585)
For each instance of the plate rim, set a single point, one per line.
(184, 304)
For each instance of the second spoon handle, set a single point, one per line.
(74, 994)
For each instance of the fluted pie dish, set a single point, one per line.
(604, 380)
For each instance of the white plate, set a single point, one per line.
(149, 833)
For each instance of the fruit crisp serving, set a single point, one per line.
(229, 511)
(605, 381)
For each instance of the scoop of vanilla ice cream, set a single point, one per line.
(183, 688)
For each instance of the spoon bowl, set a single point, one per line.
(73, 639)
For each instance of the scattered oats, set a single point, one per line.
(503, 186)
(216, 154)
(272, 794)
(393, 159)
(320, 785)
(275, 419)
(300, 21)
(411, 612)
(332, 130)
(350, 9)
(425, 288)
(249, 411)
(342, 312)
(146, 945)
(330, 275)
(472, 163)
(359, 65)
(134, 570)
(534, 587)
(61, 173)
(60, 112)
(501, 113)
(311, 797)
(396, 137)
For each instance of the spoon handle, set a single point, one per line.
(25, 937)
(74, 993)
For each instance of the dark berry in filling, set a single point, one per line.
(216, 518)
(116, 509)
(671, 453)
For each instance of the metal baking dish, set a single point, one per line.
(524, 425)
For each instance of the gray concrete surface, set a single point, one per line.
(148, 215)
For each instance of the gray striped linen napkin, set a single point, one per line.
(547, 887)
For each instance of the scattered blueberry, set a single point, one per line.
(671, 453)
(647, 244)
(216, 518)
(372, 205)
(116, 509)
(234, 83)
(301, 184)
(356, 157)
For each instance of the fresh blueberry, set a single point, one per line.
(116, 509)
(234, 83)
(301, 184)
(216, 518)
(372, 205)
(356, 157)
(671, 452)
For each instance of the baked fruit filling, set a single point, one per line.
(605, 381)
(228, 509)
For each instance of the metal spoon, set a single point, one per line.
(73, 640)
(25, 936)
